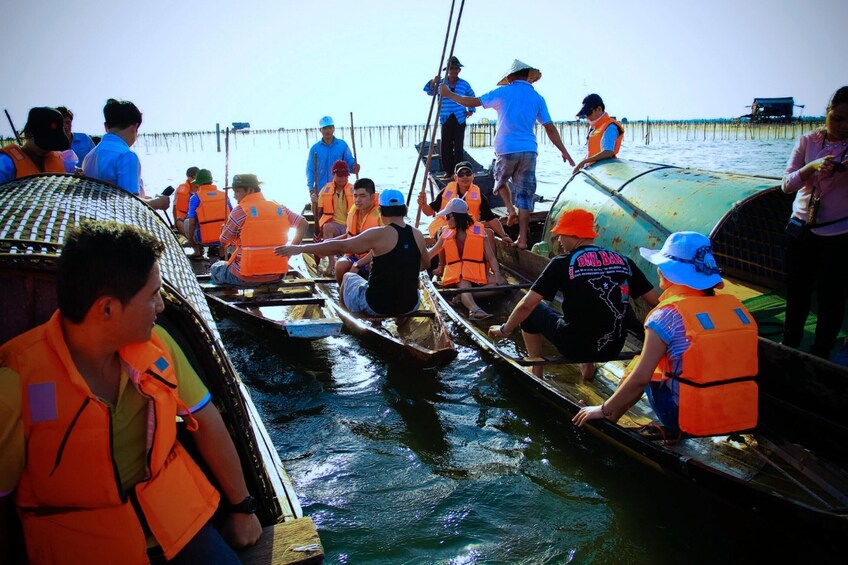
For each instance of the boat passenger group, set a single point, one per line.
(101, 336)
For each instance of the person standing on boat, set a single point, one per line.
(256, 226)
(452, 116)
(699, 358)
(596, 285)
(605, 133)
(363, 215)
(399, 254)
(44, 138)
(322, 156)
(112, 159)
(817, 250)
(181, 198)
(519, 107)
(462, 187)
(469, 258)
(88, 419)
(208, 208)
(334, 201)
(81, 143)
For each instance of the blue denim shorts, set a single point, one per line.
(354, 288)
(521, 168)
(220, 273)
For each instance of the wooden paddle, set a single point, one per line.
(353, 142)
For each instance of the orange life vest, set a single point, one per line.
(212, 212)
(371, 220)
(69, 496)
(181, 198)
(597, 134)
(472, 197)
(472, 265)
(325, 201)
(717, 391)
(24, 165)
(265, 227)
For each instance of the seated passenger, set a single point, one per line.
(334, 200)
(363, 215)
(181, 198)
(399, 254)
(208, 209)
(699, 359)
(44, 139)
(81, 143)
(596, 286)
(469, 257)
(256, 227)
(88, 421)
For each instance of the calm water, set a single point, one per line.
(463, 465)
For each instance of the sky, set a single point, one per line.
(189, 64)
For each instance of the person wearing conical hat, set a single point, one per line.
(519, 107)
(452, 116)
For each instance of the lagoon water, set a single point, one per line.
(463, 465)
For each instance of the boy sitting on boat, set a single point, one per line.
(88, 421)
(596, 286)
(699, 358)
(208, 208)
(334, 201)
(181, 198)
(469, 258)
(256, 226)
(399, 254)
(363, 215)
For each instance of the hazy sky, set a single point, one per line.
(188, 64)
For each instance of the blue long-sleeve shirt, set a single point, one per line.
(449, 106)
(327, 155)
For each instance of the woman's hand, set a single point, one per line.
(588, 413)
(822, 166)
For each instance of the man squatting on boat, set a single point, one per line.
(88, 421)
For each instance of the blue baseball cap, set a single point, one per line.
(324, 122)
(392, 197)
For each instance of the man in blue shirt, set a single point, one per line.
(328, 150)
(452, 117)
(112, 159)
(81, 143)
(519, 107)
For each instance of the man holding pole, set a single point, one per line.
(519, 107)
(452, 116)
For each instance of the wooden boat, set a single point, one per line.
(292, 308)
(783, 469)
(35, 213)
(420, 338)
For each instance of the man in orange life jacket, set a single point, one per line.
(334, 200)
(256, 226)
(44, 138)
(181, 198)
(605, 133)
(208, 208)
(596, 286)
(699, 358)
(363, 215)
(88, 421)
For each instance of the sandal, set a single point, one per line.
(477, 314)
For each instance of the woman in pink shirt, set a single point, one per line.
(817, 251)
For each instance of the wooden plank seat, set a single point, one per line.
(293, 541)
(259, 303)
(562, 360)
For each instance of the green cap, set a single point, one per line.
(204, 176)
(245, 181)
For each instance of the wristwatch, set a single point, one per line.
(247, 506)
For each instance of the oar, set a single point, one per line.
(353, 142)
(479, 289)
(429, 115)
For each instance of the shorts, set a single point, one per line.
(220, 273)
(353, 288)
(332, 229)
(350, 258)
(550, 323)
(521, 168)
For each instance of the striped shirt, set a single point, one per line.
(230, 236)
(449, 106)
(667, 323)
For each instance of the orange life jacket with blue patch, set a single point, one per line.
(597, 134)
(326, 198)
(69, 496)
(212, 212)
(471, 266)
(265, 228)
(717, 390)
(181, 198)
(472, 197)
(25, 166)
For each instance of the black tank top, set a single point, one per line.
(393, 283)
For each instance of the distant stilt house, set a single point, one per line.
(772, 110)
(241, 125)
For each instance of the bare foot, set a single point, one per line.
(521, 244)
(512, 219)
(587, 371)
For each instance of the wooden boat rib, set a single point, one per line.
(421, 338)
(35, 213)
(768, 470)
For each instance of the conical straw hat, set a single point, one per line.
(535, 74)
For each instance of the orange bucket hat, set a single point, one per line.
(577, 222)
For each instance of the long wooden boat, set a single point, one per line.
(292, 308)
(35, 214)
(420, 338)
(782, 469)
